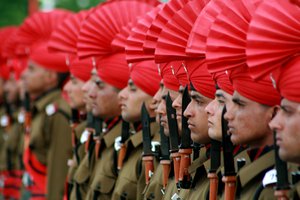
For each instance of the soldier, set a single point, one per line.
(14, 137)
(285, 122)
(46, 153)
(131, 180)
(80, 73)
(105, 104)
(254, 103)
(171, 86)
(113, 58)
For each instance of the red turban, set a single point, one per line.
(81, 68)
(168, 76)
(4, 70)
(180, 74)
(261, 91)
(35, 32)
(200, 78)
(223, 81)
(288, 82)
(145, 76)
(113, 69)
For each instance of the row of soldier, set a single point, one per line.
(183, 100)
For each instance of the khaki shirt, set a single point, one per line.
(250, 178)
(198, 171)
(14, 144)
(80, 151)
(2, 143)
(105, 178)
(131, 180)
(50, 141)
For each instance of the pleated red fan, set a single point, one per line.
(64, 37)
(226, 41)
(136, 39)
(172, 41)
(101, 27)
(273, 36)
(6, 34)
(165, 14)
(196, 45)
(119, 42)
(40, 25)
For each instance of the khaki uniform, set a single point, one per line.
(131, 179)
(2, 143)
(50, 140)
(153, 189)
(250, 178)
(83, 174)
(78, 154)
(105, 178)
(13, 144)
(171, 188)
(200, 185)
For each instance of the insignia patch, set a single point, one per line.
(154, 144)
(118, 143)
(4, 121)
(84, 136)
(51, 109)
(21, 117)
(270, 178)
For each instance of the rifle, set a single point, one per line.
(74, 123)
(196, 150)
(90, 129)
(215, 160)
(165, 157)
(174, 138)
(6, 120)
(97, 135)
(186, 148)
(282, 184)
(229, 177)
(124, 137)
(27, 121)
(148, 156)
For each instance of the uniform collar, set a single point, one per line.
(137, 138)
(47, 98)
(109, 137)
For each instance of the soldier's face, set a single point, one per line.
(156, 100)
(162, 110)
(86, 88)
(197, 117)
(214, 111)
(286, 124)
(11, 89)
(131, 99)
(75, 93)
(104, 99)
(177, 104)
(248, 121)
(34, 78)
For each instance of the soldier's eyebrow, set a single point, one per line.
(238, 101)
(196, 96)
(220, 95)
(181, 89)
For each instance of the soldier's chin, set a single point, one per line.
(285, 156)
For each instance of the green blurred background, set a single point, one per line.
(13, 12)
